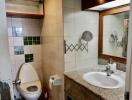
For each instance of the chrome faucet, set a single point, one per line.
(108, 70)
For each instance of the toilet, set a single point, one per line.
(30, 86)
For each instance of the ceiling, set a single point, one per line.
(111, 4)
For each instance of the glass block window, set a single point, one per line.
(18, 50)
(28, 58)
(35, 40)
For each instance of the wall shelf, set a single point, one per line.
(23, 15)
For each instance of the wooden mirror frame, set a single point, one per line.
(100, 41)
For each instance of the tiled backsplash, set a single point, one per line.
(120, 66)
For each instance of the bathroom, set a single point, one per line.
(60, 45)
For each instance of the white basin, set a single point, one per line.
(100, 79)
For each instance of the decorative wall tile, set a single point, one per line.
(18, 50)
(28, 58)
(31, 40)
(17, 31)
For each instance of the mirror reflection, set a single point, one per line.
(115, 34)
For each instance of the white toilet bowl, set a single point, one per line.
(30, 86)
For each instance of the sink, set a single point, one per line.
(100, 79)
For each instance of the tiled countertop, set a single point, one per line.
(107, 94)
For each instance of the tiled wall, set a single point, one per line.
(75, 23)
(24, 43)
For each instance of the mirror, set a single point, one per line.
(114, 33)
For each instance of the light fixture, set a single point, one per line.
(111, 4)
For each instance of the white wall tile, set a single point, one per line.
(27, 49)
(69, 29)
(11, 41)
(75, 23)
(31, 27)
(70, 56)
(68, 3)
(70, 66)
(87, 63)
(9, 31)
(38, 68)
(11, 50)
(13, 67)
(18, 41)
(19, 60)
(77, 4)
(9, 22)
(16, 22)
(68, 14)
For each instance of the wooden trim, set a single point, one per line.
(86, 4)
(115, 10)
(100, 41)
(23, 15)
(43, 8)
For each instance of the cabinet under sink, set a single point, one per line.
(75, 91)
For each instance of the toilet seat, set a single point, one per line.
(23, 87)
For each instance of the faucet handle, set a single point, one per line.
(108, 67)
(110, 61)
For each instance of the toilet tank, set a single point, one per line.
(28, 73)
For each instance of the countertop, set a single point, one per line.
(106, 94)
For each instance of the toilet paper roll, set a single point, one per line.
(54, 80)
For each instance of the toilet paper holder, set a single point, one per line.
(54, 80)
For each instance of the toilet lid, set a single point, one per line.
(27, 73)
(31, 87)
